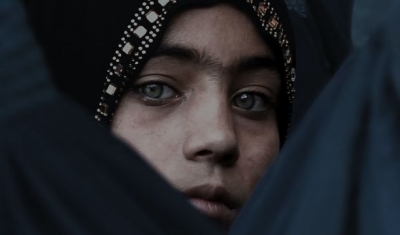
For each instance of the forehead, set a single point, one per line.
(221, 31)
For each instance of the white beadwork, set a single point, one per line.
(140, 31)
(111, 89)
(151, 16)
(163, 2)
(128, 48)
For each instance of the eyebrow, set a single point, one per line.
(187, 54)
(177, 51)
(257, 63)
(201, 58)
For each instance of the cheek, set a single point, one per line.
(151, 132)
(258, 146)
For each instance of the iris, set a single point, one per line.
(157, 91)
(250, 102)
(153, 90)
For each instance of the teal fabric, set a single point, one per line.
(339, 172)
(322, 32)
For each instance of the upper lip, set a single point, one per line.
(213, 193)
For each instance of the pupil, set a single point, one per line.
(153, 90)
(246, 101)
(244, 98)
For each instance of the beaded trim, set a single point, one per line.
(275, 28)
(141, 33)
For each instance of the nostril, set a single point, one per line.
(204, 153)
(228, 159)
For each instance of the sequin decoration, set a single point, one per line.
(287, 53)
(152, 16)
(262, 8)
(118, 69)
(163, 3)
(104, 108)
(140, 31)
(273, 23)
(128, 48)
(293, 74)
(111, 89)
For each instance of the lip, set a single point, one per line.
(212, 209)
(214, 201)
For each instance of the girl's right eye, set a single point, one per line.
(156, 93)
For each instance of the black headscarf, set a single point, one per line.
(94, 48)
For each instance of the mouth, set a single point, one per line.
(214, 201)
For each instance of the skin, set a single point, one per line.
(198, 132)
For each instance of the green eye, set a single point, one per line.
(153, 90)
(244, 101)
(157, 91)
(250, 101)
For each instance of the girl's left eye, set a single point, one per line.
(157, 91)
(250, 101)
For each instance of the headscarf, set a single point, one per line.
(95, 48)
(323, 41)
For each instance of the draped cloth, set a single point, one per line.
(61, 173)
(322, 32)
(339, 171)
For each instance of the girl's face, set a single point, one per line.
(202, 112)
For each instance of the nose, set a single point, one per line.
(210, 134)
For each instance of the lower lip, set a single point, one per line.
(212, 209)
